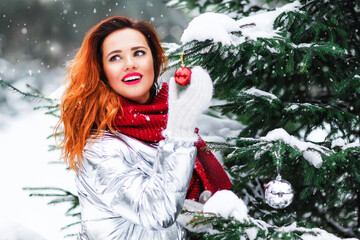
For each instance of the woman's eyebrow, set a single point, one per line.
(132, 49)
(138, 47)
(115, 51)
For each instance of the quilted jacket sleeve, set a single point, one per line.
(123, 178)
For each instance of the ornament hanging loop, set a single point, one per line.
(278, 163)
(182, 59)
(278, 166)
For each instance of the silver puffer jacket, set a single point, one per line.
(129, 189)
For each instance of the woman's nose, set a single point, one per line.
(130, 63)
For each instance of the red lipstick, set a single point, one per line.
(132, 78)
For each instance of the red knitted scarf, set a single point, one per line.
(147, 121)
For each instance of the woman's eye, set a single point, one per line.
(139, 53)
(114, 58)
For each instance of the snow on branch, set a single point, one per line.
(221, 28)
(236, 209)
(341, 143)
(309, 233)
(258, 93)
(310, 150)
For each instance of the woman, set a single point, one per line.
(133, 148)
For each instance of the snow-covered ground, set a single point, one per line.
(26, 162)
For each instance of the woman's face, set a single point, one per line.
(128, 64)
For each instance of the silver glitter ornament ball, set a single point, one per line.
(279, 193)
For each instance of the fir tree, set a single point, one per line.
(283, 88)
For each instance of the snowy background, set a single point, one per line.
(26, 162)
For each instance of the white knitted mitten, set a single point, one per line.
(185, 109)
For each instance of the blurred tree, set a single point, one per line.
(50, 30)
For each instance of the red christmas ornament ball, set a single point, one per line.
(182, 76)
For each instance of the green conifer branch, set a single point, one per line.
(26, 95)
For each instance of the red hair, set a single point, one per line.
(89, 105)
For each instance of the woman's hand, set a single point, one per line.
(185, 109)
